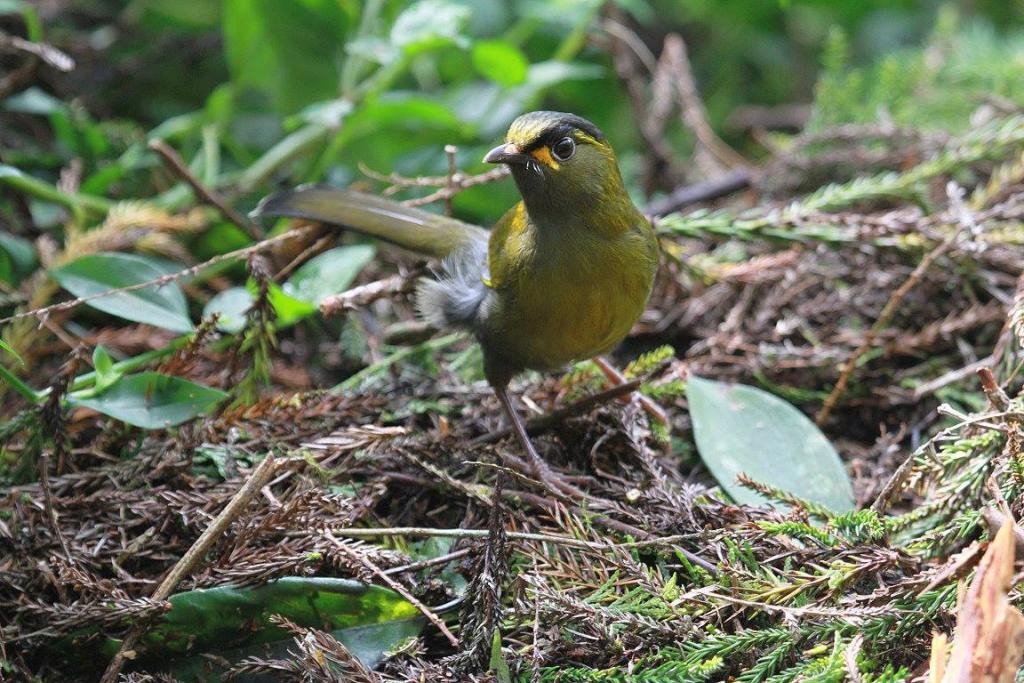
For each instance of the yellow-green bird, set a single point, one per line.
(562, 276)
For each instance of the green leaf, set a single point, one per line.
(399, 112)
(33, 101)
(231, 304)
(328, 273)
(151, 400)
(330, 113)
(235, 623)
(289, 50)
(289, 309)
(428, 25)
(546, 74)
(498, 665)
(162, 306)
(500, 61)
(191, 15)
(22, 253)
(234, 303)
(106, 375)
(10, 349)
(7, 269)
(741, 429)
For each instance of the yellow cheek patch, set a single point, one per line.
(543, 155)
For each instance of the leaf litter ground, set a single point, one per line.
(654, 575)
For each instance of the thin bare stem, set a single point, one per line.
(245, 252)
(177, 166)
(395, 586)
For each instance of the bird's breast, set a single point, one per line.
(577, 301)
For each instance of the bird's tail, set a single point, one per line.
(414, 229)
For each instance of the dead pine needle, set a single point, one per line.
(258, 478)
(888, 311)
(394, 585)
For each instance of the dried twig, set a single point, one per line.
(174, 162)
(995, 394)
(364, 295)
(450, 185)
(616, 378)
(44, 51)
(705, 191)
(712, 151)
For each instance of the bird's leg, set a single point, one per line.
(541, 470)
(613, 375)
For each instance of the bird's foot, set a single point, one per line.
(539, 469)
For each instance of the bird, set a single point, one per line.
(561, 277)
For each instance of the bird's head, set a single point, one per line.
(560, 162)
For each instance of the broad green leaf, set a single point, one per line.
(289, 50)
(289, 309)
(741, 429)
(428, 25)
(151, 400)
(328, 273)
(234, 622)
(397, 112)
(500, 61)
(232, 305)
(162, 306)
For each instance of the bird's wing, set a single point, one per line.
(510, 243)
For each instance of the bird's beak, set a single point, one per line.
(507, 154)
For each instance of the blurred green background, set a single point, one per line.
(260, 93)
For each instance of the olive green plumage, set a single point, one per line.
(564, 274)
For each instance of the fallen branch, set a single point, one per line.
(733, 181)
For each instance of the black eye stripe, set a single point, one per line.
(554, 134)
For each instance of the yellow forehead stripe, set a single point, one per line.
(522, 135)
(543, 155)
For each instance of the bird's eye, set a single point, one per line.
(564, 149)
